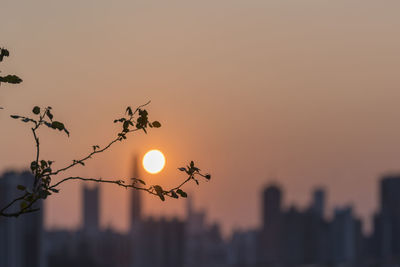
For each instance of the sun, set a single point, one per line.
(154, 161)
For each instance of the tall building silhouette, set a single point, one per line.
(272, 201)
(344, 236)
(91, 209)
(136, 198)
(389, 218)
(317, 242)
(318, 204)
(272, 231)
(137, 226)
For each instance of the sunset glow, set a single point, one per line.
(154, 161)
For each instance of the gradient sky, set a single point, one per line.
(301, 92)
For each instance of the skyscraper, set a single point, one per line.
(91, 208)
(136, 202)
(137, 226)
(344, 236)
(272, 231)
(389, 218)
(271, 205)
(318, 203)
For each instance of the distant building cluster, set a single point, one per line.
(286, 237)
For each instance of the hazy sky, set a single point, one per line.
(301, 92)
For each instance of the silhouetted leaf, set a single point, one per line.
(43, 163)
(21, 187)
(139, 180)
(57, 125)
(159, 192)
(13, 79)
(182, 193)
(23, 205)
(126, 126)
(36, 110)
(3, 53)
(156, 124)
(174, 195)
(48, 113)
(129, 111)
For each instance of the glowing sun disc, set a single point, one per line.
(153, 161)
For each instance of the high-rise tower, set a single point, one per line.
(389, 226)
(272, 231)
(136, 223)
(271, 205)
(135, 201)
(91, 209)
(318, 204)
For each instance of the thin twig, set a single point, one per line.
(12, 202)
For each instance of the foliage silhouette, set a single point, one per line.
(44, 172)
(14, 79)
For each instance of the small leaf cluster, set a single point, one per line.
(4, 53)
(13, 79)
(41, 188)
(192, 171)
(131, 122)
(45, 117)
(173, 193)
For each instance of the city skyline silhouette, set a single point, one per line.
(287, 235)
(277, 123)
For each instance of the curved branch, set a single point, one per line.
(99, 180)
(18, 213)
(12, 203)
(151, 189)
(85, 158)
(76, 162)
(24, 210)
(119, 138)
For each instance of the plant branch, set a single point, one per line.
(96, 151)
(12, 203)
(43, 173)
(151, 189)
(24, 210)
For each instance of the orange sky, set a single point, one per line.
(304, 93)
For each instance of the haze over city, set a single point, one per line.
(301, 93)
